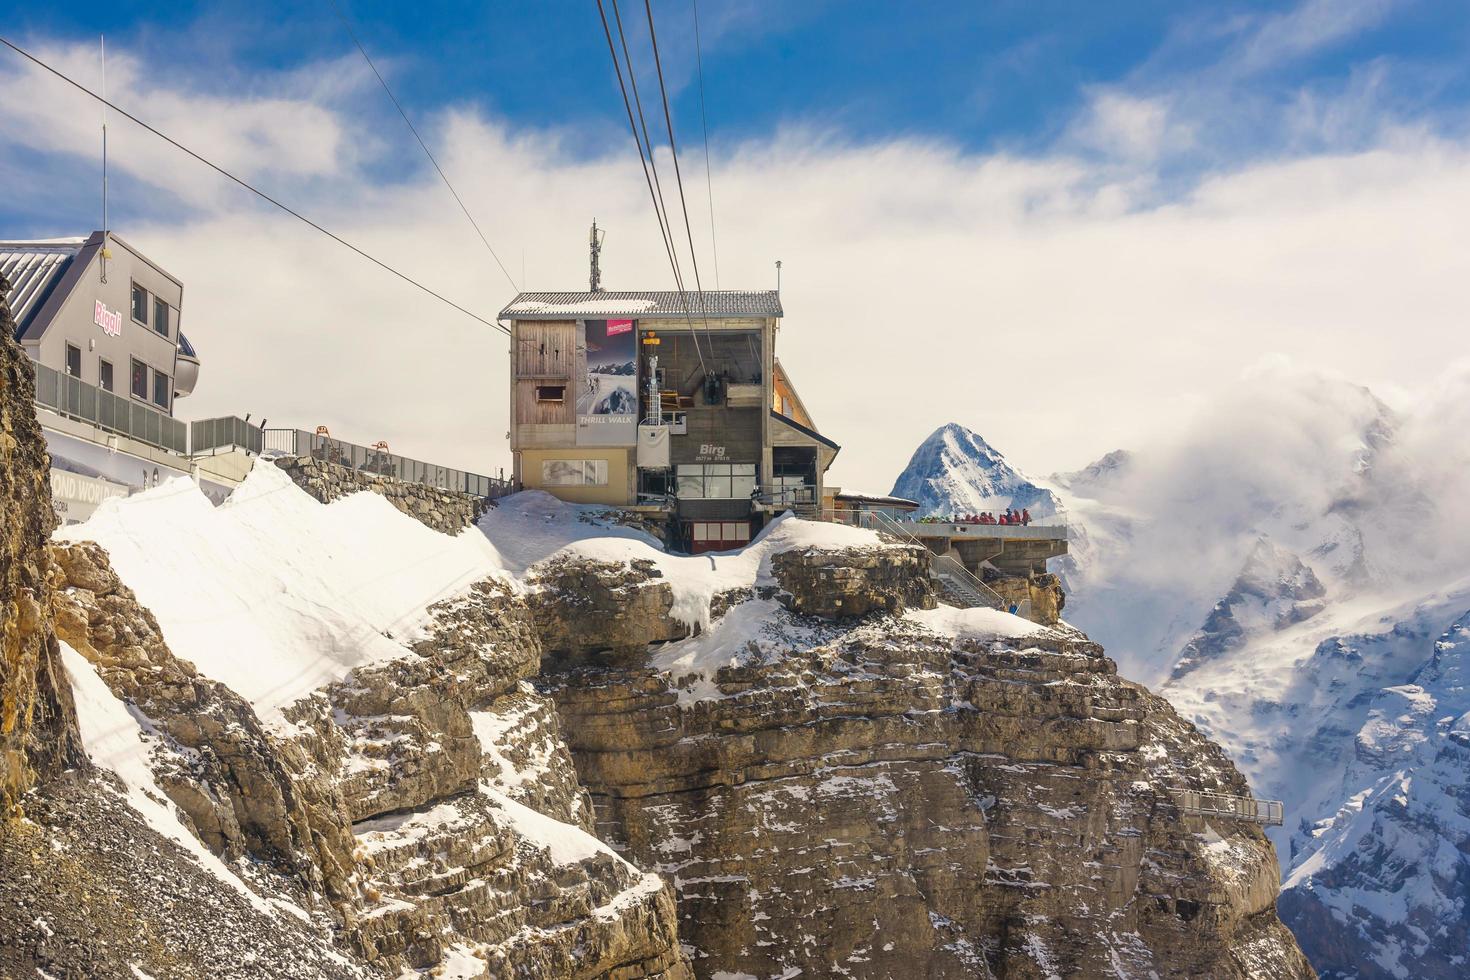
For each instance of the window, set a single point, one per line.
(140, 303)
(574, 473)
(104, 374)
(73, 361)
(140, 379)
(719, 535)
(160, 316)
(551, 393)
(716, 481)
(161, 390)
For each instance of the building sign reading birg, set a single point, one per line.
(110, 321)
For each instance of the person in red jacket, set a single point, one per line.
(1025, 516)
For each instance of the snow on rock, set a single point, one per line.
(695, 580)
(1390, 867)
(119, 741)
(974, 624)
(274, 594)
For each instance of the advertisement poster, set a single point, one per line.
(607, 383)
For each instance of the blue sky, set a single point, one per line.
(1147, 198)
(1009, 76)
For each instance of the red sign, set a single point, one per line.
(110, 322)
(615, 327)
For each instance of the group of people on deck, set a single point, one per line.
(1011, 518)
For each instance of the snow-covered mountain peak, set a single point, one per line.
(955, 471)
(1097, 477)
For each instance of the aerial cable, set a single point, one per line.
(648, 181)
(709, 184)
(399, 106)
(664, 223)
(252, 189)
(674, 152)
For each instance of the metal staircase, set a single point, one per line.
(957, 581)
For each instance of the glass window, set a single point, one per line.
(73, 361)
(561, 472)
(690, 482)
(701, 531)
(160, 389)
(160, 316)
(104, 375)
(574, 473)
(140, 303)
(717, 482)
(140, 379)
(551, 393)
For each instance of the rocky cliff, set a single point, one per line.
(921, 793)
(416, 814)
(37, 723)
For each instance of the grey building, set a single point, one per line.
(632, 400)
(99, 310)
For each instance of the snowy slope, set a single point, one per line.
(1392, 866)
(955, 471)
(274, 594)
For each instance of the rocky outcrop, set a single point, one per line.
(872, 798)
(231, 780)
(448, 511)
(584, 606)
(1038, 596)
(427, 802)
(37, 720)
(854, 581)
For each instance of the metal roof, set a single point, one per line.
(662, 305)
(34, 269)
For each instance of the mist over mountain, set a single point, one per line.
(1293, 572)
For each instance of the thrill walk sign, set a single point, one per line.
(607, 392)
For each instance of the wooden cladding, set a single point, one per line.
(546, 350)
(536, 410)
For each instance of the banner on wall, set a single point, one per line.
(607, 383)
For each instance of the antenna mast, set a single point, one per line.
(106, 252)
(594, 244)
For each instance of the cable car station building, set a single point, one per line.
(667, 403)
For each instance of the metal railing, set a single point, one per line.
(227, 432)
(1268, 813)
(802, 499)
(75, 399)
(964, 583)
(299, 442)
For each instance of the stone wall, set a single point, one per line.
(37, 720)
(448, 511)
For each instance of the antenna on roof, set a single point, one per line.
(778, 275)
(594, 244)
(106, 252)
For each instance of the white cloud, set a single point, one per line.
(1038, 299)
(1138, 130)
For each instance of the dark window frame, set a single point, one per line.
(133, 366)
(105, 379)
(70, 350)
(161, 317)
(167, 390)
(133, 294)
(544, 398)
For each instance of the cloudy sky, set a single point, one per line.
(1070, 226)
